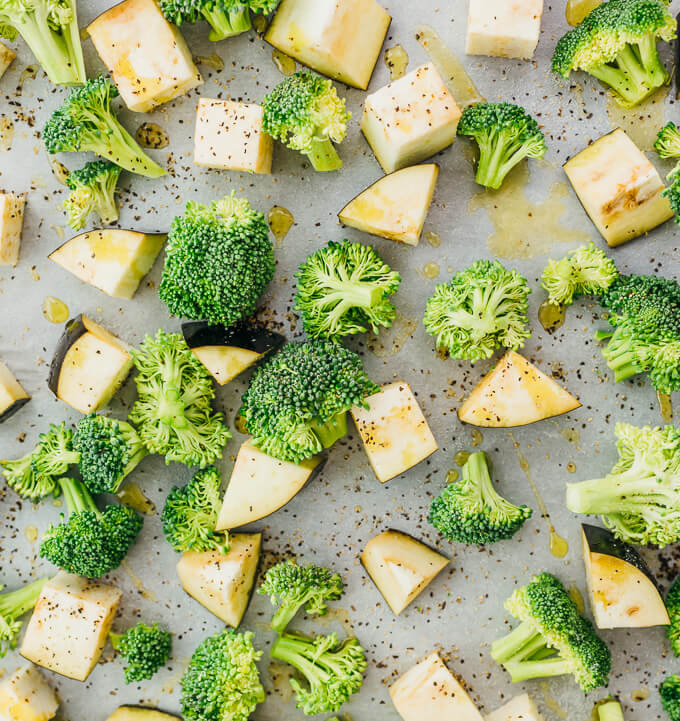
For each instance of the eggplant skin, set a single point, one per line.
(74, 329)
(11, 410)
(249, 336)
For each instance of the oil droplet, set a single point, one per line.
(642, 122)
(461, 458)
(666, 407)
(571, 467)
(577, 10)
(434, 239)
(558, 545)
(150, 135)
(391, 340)
(431, 270)
(551, 702)
(452, 475)
(240, 425)
(551, 316)
(477, 438)
(213, 61)
(260, 24)
(132, 495)
(54, 310)
(640, 694)
(59, 170)
(31, 533)
(571, 434)
(280, 221)
(577, 597)
(35, 276)
(139, 585)
(6, 133)
(396, 59)
(284, 64)
(30, 72)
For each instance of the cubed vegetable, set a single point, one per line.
(504, 28)
(12, 394)
(520, 708)
(11, 225)
(25, 695)
(7, 56)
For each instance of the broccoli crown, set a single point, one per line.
(505, 134)
(333, 671)
(290, 587)
(305, 113)
(472, 511)
(190, 514)
(482, 308)
(145, 648)
(673, 608)
(343, 289)
(13, 605)
(218, 261)
(91, 542)
(222, 681)
(173, 410)
(670, 697)
(93, 187)
(298, 399)
(225, 17)
(667, 143)
(109, 451)
(550, 621)
(87, 122)
(639, 500)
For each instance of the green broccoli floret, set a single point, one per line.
(472, 511)
(610, 711)
(173, 411)
(505, 134)
(617, 44)
(222, 681)
(86, 122)
(667, 143)
(145, 648)
(219, 260)
(290, 587)
(343, 289)
(13, 605)
(672, 192)
(482, 308)
(639, 500)
(305, 113)
(298, 399)
(109, 451)
(673, 608)
(93, 188)
(190, 514)
(670, 697)
(553, 639)
(50, 29)
(585, 271)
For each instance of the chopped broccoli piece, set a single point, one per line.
(673, 608)
(93, 188)
(670, 697)
(145, 648)
(298, 399)
(667, 143)
(13, 605)
(343, 289)
(291, 587)
(87, 122)
(173, 411)
(472, 511)
(481, 308)
(305, 113)
(610, 711)
(672, 192)
(505, 134)
(219, 260)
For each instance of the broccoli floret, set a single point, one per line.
(479, 310)
(91, 542)
(290, 587)
(672, 192)
(305, 113)
(190, 514)
(86, 122)
(145, 648)
(298, 399)
(219, 260)
(553, 639)
(667, 143)
(93, 188)
(222, 681)
(639, 500)
(173, 411)
(610, 711)
(109, 451)
(505, 134)
(50, 29)
(343, 289)
(472, 511)
(585, 271)
(673, 608)
(617, 44)
(670, 697)
(13, 605)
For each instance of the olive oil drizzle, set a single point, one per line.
(551, 316)
(280, 220)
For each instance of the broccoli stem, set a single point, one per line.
(526, 670)
(16, 603)
(323, 156)
(332, 430)
(227, 24)
(107, 210)
(631, 491)
(77, 496)
(505, 648)
(498, 155)
(300, 654)
(619, 354)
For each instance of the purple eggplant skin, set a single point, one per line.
(11, 410)
(249, 336)
(74, 329)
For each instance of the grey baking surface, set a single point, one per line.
(461, 612)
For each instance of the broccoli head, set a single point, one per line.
(343, 289)
(92, 191)
(505, 134)
(13, 605)
(145, 648)
(673, 608)
(670, 697)
(305, 113)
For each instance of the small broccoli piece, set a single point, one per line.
(610, 711)
(291, 587)
(173, 411)
(673, 608)
(553, 639)
(190, 514)
(109, 451)
(305, 113)
(145, 648)
(222, 681)
(670, 697)
(639, 500)
(93, 188)
(218, 261)
(13, 605)
(482, 308)
(343, 289)
(472, 511)
(505, 134)
(91, 542)
(87, 122)
(297, 401)
(667, 143)
(672, 192)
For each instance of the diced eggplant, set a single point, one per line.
(11, 226)
(7, 56)
(503, 29)
(12, 395)
(26, 696)
(520, 708)
(139, 713)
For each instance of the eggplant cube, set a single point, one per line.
(6, 58)
(12, 394)
(147, 56)
(339, 39)
(394, 431)
(70, 625)
(26, 696)
(139, 713)
(504, 28)
(11, 225)
(410, 119)
(520, 708)
(618, 187)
